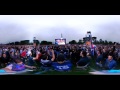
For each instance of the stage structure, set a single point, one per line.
(34, 41)
(88, 40)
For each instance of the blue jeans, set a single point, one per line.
(30, 61)
(45, 68)
(23, 60)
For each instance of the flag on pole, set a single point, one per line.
(46, 48)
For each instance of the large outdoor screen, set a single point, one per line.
(60, 41)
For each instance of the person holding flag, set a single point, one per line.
(89, 42)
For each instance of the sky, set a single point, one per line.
(49, 27)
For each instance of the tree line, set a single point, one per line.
(94, 40)
(27, 42)
(44, 42)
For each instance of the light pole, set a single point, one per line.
(34, 41)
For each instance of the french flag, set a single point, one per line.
(92, 49)
(46, 48)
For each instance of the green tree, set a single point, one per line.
(73, 42)
(84, 39)
(80, 42)
(103, 42)
(44, 42)
(100, 41)
(110, 42)
(49, 43)
(106, 42)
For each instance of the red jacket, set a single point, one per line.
(39, 57)
(23, 54)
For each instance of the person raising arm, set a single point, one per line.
(17, 66)
(53, 55)
(45, 62)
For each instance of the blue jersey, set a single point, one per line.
(66, 66)
(18, 67)
(46, 63)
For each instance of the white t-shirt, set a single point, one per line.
(21, 51)
(45, 62)
(28, 53)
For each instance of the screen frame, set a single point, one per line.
(60, 39)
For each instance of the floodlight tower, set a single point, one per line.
(34, 41)
(61, 36)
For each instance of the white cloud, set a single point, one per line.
(49, 27)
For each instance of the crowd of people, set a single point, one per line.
(58, 58)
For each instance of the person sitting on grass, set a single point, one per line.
(110, 63)
(38, 57)
(99, 60)
(4, 60)
(17, 66)
(84, 59)
(62, 64)
(45, 63)
(32, 60)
